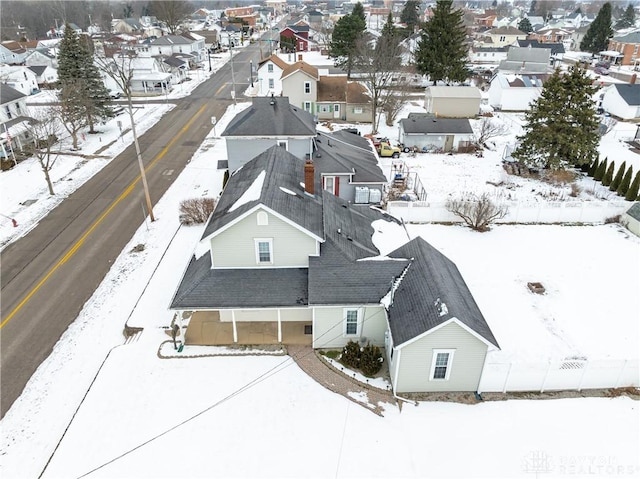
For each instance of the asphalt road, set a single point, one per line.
(50, 273)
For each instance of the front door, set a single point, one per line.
(448, 143)
(336, 111)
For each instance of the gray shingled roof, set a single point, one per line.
(431, 276)
(37, 69)
(556, 48)
(432, 125)
(634, 211)
(203, 287)
(630, 93)
(333, 279)
(529, 55)
(272, 116)
(8, 94)
(172, 40)
(283, 170)
(342, 152)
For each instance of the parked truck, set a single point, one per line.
(383, 146)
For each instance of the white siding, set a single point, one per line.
(614, 104)
(328, 326)
(293, 87)
(235, 247)
(466, 368)
(252, 315)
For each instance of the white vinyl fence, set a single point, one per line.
(559, 375)
(523, 213)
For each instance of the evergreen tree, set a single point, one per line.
(358, 12)
(618, 178)
(525, 25)
(532, 8)
(344, 39)
(593, 168)
(608, 176)
(410, 16)
(562, 125)
(597, 37)
(442, 49)
(602, 168)
(628, 18)
(96, 96)
(623, 189)
(634, 189)
(370, 360)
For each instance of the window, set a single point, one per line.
(283, 144)
(271, 84)
(441, 364)
(502, 38)
(307, 106)
(307, 87)
(264, 247)
(352, 321)
(8, 112)
(270, 68)
(357, 110)
(330, 184)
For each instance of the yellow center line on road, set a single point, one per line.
(69, 254)
(219, 89)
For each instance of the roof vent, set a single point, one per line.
(339, 231)
(349, 238)
(273, 100)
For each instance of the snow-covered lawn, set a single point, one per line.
(263, 417)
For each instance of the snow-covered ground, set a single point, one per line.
(131, 414)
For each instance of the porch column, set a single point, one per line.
(233, 322)
(279, 328)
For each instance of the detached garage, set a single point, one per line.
(435, 134)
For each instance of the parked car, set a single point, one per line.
(114, 94)
(601, 70)
(117, 110)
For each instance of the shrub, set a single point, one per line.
(626, 181)
(601, 170)
(618, 178)
(196, 210)
(370, 360)
(351, 354)
(593, 168)
(333, 354)
(608, 176)
(632, 192)
(478, 212)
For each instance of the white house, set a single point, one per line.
(513, 92)
(45, 75)
(21, 78)
(40, 57)
(269, 76)
(631, 219)
(172, 44)
(622, 100)
(14, 133)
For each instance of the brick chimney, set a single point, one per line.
(633, 79)
(309, 176)
(300, 57)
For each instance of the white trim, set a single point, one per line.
(304, 88)
(446, 323)
(235, 329)
(326, 180)
(286, 143)
(279, 327)
(359, 314)
(397, 370)
(313, 329)
(268, 210)
(257, 242)
(262, 218)
(449, 365)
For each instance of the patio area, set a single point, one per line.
(206, 329)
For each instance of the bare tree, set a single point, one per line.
(478, 212)
(173, 13)
(45, 128)
(322, 36)
(378, 67)
(120, 69)
(72, 112)
(394, 98)
(488, 128)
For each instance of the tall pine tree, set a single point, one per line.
(344, 39)
(442, 49)
(626, 181)
(597, 37)
(602, 168)
(608, 176)
(410, 16)
(562, 125)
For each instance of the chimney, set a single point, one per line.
(633, 79)
(272, 101)
(309, 176)
(300, 57)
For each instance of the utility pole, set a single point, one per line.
(233, 80)
(143, 175)
(251, 72)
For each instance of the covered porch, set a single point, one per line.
(232, 327)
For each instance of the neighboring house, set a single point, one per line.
(488, 54)
(503, 36)
(452, 101)
(269, 75)
(552, 35)
(278, 6)
(178, 68)
(513, 92)
(557, 49)
(127, 25)
(622, 100)
(41, 57)
(300, 84)
(174, 44)
(150, 76)
(268, 121)
(11, 53)
(45, 75)
(627, 48)
(298, 35)
(631, 219)
(281, 257)
(14, 132)
(19, 77)
(246, 14)
(526, 60)
(347, 167)
(340, 99)
(230, 35)
(431, 133)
